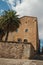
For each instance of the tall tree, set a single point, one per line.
(9, 22)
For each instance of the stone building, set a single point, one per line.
(26, 33)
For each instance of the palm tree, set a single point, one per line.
(9, 22)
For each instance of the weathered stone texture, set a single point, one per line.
(31, 35)
(15, 50)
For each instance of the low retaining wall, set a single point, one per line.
(16, 50)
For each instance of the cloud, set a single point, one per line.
(3, 0)
(1, 11)
(30, 8)
(41, 27)
(41, 34)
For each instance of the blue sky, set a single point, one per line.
(3, 6)
(27, 7)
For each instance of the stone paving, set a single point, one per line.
(20, 62)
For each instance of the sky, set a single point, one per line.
(26, 8)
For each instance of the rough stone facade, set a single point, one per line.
(16, 50)
(27, 32)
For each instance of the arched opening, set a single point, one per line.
(25, 40)
(19, 40)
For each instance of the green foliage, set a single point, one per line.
(9, 18)
(9, 22)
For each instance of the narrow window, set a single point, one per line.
(26, 30)
(19, 40)
(25, 40)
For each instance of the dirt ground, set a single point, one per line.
(4, 61)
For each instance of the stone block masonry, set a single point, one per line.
(16, 50)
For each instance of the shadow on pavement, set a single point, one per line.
(38, 57)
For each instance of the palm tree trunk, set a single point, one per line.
(7, 33)
(7, 36)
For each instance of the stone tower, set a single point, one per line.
(27, 31)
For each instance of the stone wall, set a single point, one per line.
(16, 50)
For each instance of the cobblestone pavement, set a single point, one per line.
(20, 62)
